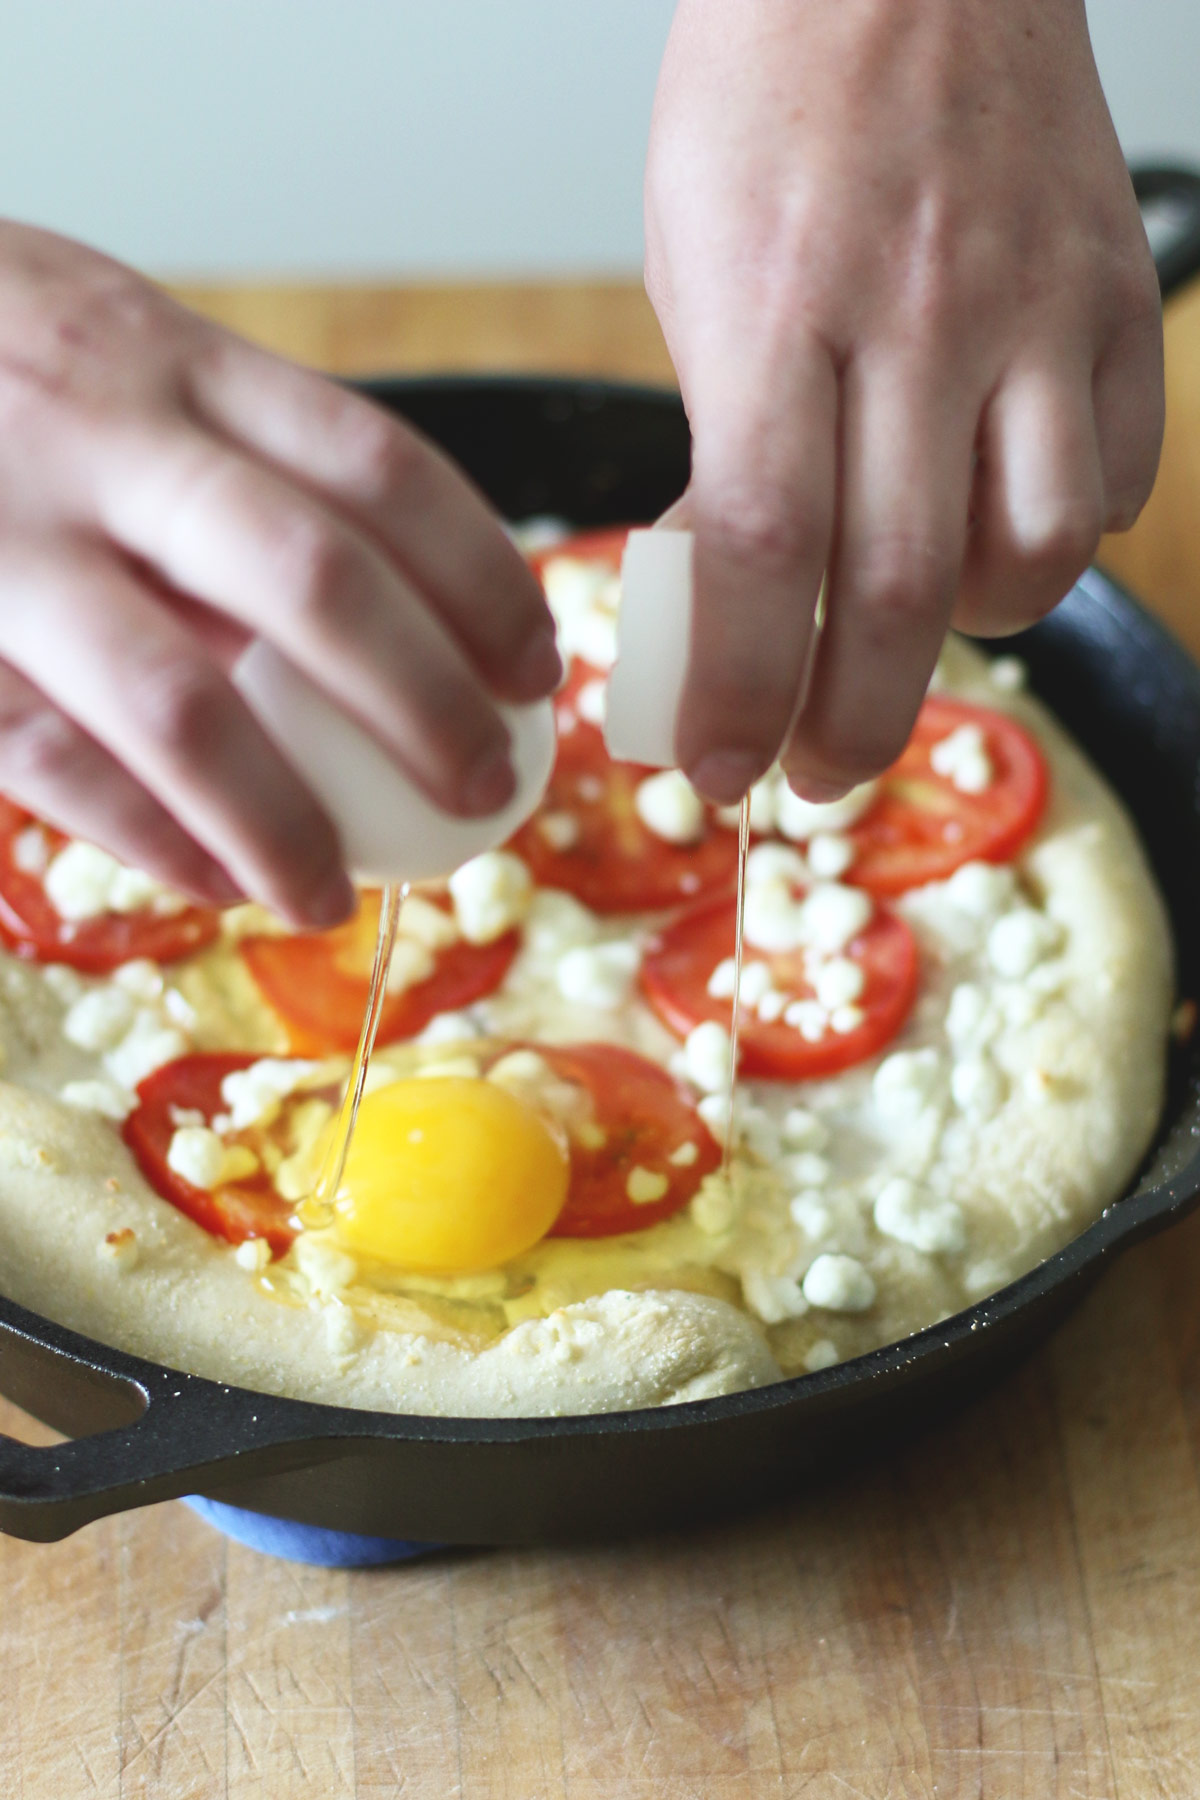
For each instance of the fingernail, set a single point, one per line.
(819, 793)
(724, 776)
(538, 669)
(332, 902)
(489, 785)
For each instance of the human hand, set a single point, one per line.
(168, 491)
(901, 272)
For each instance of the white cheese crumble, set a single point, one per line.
(491, 895)
(643, 1186)
(911, 1215)
(802, 819)
(982, 890)
(598, 975)
(833, 915)
(976, 1086)
(962, 758)
(1008, 674)
(30, 850)
(99, 1018)
(707, 1052)
(773, 1298)
(426, 924)
(591, 703)
(838, 982)
(412, 963)
(253, 1255)
(326, 1269)
(254, 1095)
(830, 855)
(669, 807)
(97, 1096)
(839, 1284)
(821, 1355)
(583, 596)
(83, 882)
(556, 922)
(561, 830)
(803, 1130)
(196, 1155)
(146, 1046)
(906, 1081)
(1019, 940)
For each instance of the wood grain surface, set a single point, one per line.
(1009, 1610)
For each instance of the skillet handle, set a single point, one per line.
(1169, 197)
(192, 1434)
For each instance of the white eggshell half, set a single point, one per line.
(654, 628)
(390, 830)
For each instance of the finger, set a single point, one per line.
(761, 505)
(1129, 408)
(396, 485)
(232, 533)
(906, 473)
(50, 765)
(82, 630)
(1039, 499)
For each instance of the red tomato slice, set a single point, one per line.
(30, 927)
(318, 981)
(606, 545)
(645, 1117)
(921, 827)
(243, 1209)
(679, 963)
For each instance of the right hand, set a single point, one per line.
(168, 491)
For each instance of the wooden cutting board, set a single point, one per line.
(1009, 1610)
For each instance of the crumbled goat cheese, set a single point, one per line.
(830, 855)
(839, 1284)
(803, 1130)
(976, 1086)
(912, 1215)
(906, 1082)
(982, 890)
(962, 758)
(102, 1097)
(1019, 940)
(561, 830)
(99, 1018)
(254, 1095)
(597, 975)
(838, 982)
(706, 1056)
(491, 895)
(644, 1186)
(821, 1355)
(773, 1298)
(146, 1046)
(669, 807)
(253, 1255)
(802, 819)
(427, 924)
(412, 963)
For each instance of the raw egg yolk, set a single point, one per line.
(449, 1174)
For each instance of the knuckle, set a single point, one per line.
(187, 705)
(900, 582)
(318, 567)
(383, 458)
(769, 530)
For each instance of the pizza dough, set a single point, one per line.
(1014, 1106)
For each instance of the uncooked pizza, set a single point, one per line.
(953, 1014)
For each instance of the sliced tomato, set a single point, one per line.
(606, 545)
(242, 1209)
(639, 1118)
(30, 926)
(921, 827)
(318, 981)
(679, 964)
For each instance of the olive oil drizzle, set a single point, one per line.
(317, 1209)
(736, 1020)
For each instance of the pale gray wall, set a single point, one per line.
(397, 137)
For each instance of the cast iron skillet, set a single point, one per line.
(598, 453)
